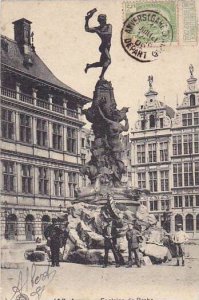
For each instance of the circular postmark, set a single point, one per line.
(145, 35)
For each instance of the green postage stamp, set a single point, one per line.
(151, 26)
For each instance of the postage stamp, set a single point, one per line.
(182, 16)
(145, 34)
(167, 9)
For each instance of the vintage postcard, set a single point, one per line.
(99, 131)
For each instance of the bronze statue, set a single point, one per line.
(104, 31)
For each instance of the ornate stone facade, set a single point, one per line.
(165, 158)
(41, 133)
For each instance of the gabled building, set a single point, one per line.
(41, 123)
(185, 160)
(151, 152)
(165, 158)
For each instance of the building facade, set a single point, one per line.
(41, 139)
(165, 158)
(185, 160)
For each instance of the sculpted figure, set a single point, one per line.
(104, 31)
(115, 128)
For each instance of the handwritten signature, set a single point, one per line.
(32, 284)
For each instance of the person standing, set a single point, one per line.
(109, 244)
(53, 234)
(180, 237)
(133, 237)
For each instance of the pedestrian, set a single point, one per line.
(53, 234)
(133, 237)
(180, 238)
(109, 244)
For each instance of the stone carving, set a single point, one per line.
(105, 167)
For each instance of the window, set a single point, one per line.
(83, 142)
(197, 200)
(164, 204)
(83, 159)
(153, 181)
(72, 183)
(178, 220)
(141, 153)
(196, 143)
(187, 119)
(58, 182)
(152, 121)
(192, 100)
(143, 122)
(177, 145)
(189, 201)
(177, 201)
(187, 144)
(43, 181)
(26, 179)
(83, 181)
(72, 140)
(25, 128)
(152, 153)
(188, 174)
(141, 180)
(197, 222)
(197, 173)
(164, 151)
(189, 222)
(177, 175)
(161, 123)
(7, 124)
(164, 175)
(41, 132)
(57, 136)
(8, 176)
(153, 205)
(196, 118)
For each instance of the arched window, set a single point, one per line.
(197, 222)
(178, 220)
(152, 121)
(189, 222)
(192, 100)
(29, 228)
(45, 221)
(11, 227)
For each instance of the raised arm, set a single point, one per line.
(87, 18)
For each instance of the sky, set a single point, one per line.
(62, 43)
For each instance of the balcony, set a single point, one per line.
(38, 102)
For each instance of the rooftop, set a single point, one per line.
(14, 58)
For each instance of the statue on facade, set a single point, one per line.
(191, 69)
(104, 31)
(150, 80)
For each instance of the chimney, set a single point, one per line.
(22, 34)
